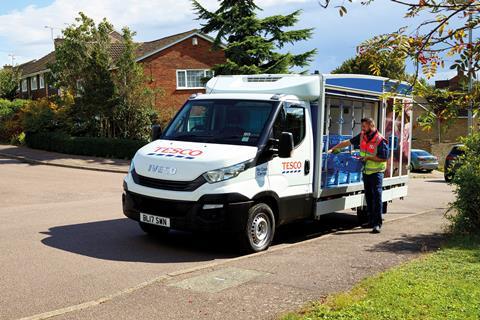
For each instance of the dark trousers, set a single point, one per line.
(373, 184)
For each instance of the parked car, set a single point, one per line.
(421, 160)
(451, 162)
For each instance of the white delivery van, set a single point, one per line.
(250, 155)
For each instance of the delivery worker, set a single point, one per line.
(374, 153)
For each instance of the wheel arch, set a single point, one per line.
(271, 199)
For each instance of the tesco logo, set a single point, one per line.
(292, 165)
(179, 151)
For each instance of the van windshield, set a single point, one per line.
(239, 122)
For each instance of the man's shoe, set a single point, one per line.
(376, 229)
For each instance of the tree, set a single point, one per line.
(389, 67)
(83, 67)
(134, 111)
(9, 80)
(443, 33)
(251, 42)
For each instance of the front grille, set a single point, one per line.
(161, 207)
(168, 184)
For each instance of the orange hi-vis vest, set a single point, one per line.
(369, 148)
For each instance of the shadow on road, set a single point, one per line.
(122, 240)
(411, 244)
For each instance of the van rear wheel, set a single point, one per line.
(257, 234)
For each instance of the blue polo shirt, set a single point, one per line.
(382, 150)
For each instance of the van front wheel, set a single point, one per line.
(259, 230)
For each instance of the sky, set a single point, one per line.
(24, 35)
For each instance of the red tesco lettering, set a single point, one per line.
(183, 152)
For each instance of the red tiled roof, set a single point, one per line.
(144, 49)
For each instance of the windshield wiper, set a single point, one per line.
(191, 135)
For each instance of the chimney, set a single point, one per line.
(57, 42)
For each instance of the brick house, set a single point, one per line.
(177, 64)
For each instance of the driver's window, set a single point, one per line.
(198, 119)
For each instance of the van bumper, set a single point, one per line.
(191, 215)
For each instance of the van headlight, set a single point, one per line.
(227, 172)
(132, 166)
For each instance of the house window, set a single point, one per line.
(34, 83)
(192, 79)
(41, 80)
(24, 85)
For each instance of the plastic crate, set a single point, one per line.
(330, 160)
(355, 177)
(335, 139)
(329, 178)
(343, 177)
(342, 162)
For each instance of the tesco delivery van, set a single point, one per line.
(250, 155)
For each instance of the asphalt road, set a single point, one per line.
(64, 239)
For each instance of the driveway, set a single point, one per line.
(68, 251)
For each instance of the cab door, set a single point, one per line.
(291, 178)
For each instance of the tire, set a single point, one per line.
(448, 178)
(411, 168)
(258, 232)
(362, 215)
(153, 230)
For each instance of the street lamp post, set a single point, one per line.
(470, 77)
(51, 34)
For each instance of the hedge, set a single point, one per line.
(85, 146)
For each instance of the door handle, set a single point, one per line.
(307, 167)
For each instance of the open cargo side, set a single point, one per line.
(344, 101)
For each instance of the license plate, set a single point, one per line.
(156, 220)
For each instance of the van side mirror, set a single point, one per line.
(285, 145)
(156, 132)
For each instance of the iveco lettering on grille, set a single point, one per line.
(162, 169)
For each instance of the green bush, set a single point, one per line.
(464, 212)
(85, 146)
(10, 122)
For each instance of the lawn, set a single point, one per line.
(441, 285)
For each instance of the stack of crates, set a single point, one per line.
(333, 140)
(342, 168)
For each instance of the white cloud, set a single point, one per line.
(24, 33)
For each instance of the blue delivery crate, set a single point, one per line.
(335, 139)
(355, 177)
(342, 177)
(354, 164)
(334, 178)
(329, 178)
(343, 162)
(330, 160)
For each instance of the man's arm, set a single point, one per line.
(341, 145)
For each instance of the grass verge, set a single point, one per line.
(441, 285)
